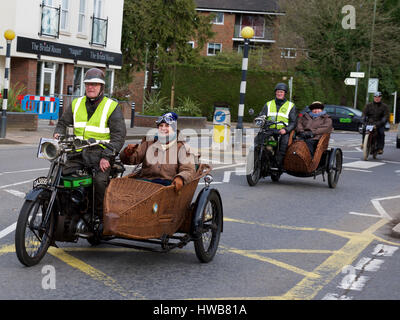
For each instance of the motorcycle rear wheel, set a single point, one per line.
(31, 244)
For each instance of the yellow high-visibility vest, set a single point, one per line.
(282, 115)
(97, 126)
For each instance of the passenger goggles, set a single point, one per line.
(167, 119)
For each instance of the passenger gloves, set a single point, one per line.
(306, 135)
(177, 183)
(130, 149)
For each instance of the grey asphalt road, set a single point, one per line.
(294, 239)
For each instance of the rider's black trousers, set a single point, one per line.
(283, 145)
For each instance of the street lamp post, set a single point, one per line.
(247, 34)
(9, 35)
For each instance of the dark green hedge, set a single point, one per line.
(221, 85)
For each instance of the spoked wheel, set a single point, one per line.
(366, 147)
(32, 241)
(207, 244)
(253, 168)
(336, 162)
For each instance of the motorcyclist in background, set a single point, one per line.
(377, 113)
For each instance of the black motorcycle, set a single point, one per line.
(60, 207)
(261, 160)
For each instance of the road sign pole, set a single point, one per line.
(356, 89)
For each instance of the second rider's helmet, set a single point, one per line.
(281, 86)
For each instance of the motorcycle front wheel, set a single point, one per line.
(253, 168)
(366, 147)
(31, 238)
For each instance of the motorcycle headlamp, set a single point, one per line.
(259, 121)
(48, 149)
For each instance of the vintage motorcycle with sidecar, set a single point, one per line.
(261, 160)
(60, 208)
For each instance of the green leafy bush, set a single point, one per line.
(13, 104)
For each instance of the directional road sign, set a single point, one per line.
(350, 81)
(357, 74)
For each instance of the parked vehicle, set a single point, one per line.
(343, 118)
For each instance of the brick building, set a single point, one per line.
(231, 16)
(58, 40)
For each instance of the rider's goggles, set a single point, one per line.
(166, 118)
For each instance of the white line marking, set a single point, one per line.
(351, 282)
(363, 164)
(230, 166)
(359, 170)
(369, 264)
(335, 296)
(20, 171)
(8, 230)
(16, 193)
(16, 184)
(380, 209)
(384, 250)
(365, 214)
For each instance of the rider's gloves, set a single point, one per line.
(177, 183)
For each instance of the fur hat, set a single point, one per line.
(316, 105)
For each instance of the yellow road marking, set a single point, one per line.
(92, 272)
(7, 249)
(308, 288)
(274, 262)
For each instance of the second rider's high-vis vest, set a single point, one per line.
(282, 115)
(97, 126)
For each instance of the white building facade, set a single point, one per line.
(58, 40)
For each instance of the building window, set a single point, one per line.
(256, 22)
(50, 19)
(191, 44)
(214, 48)
(99, 25)
(82, 16)
(288, 53)
(219, 18)
(64, 14)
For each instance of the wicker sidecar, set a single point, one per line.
(298, 161)
(143, 211)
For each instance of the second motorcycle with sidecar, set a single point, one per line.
(262, 162)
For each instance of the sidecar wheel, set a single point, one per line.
(335, 167)
(211, 225)
(31, 244)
